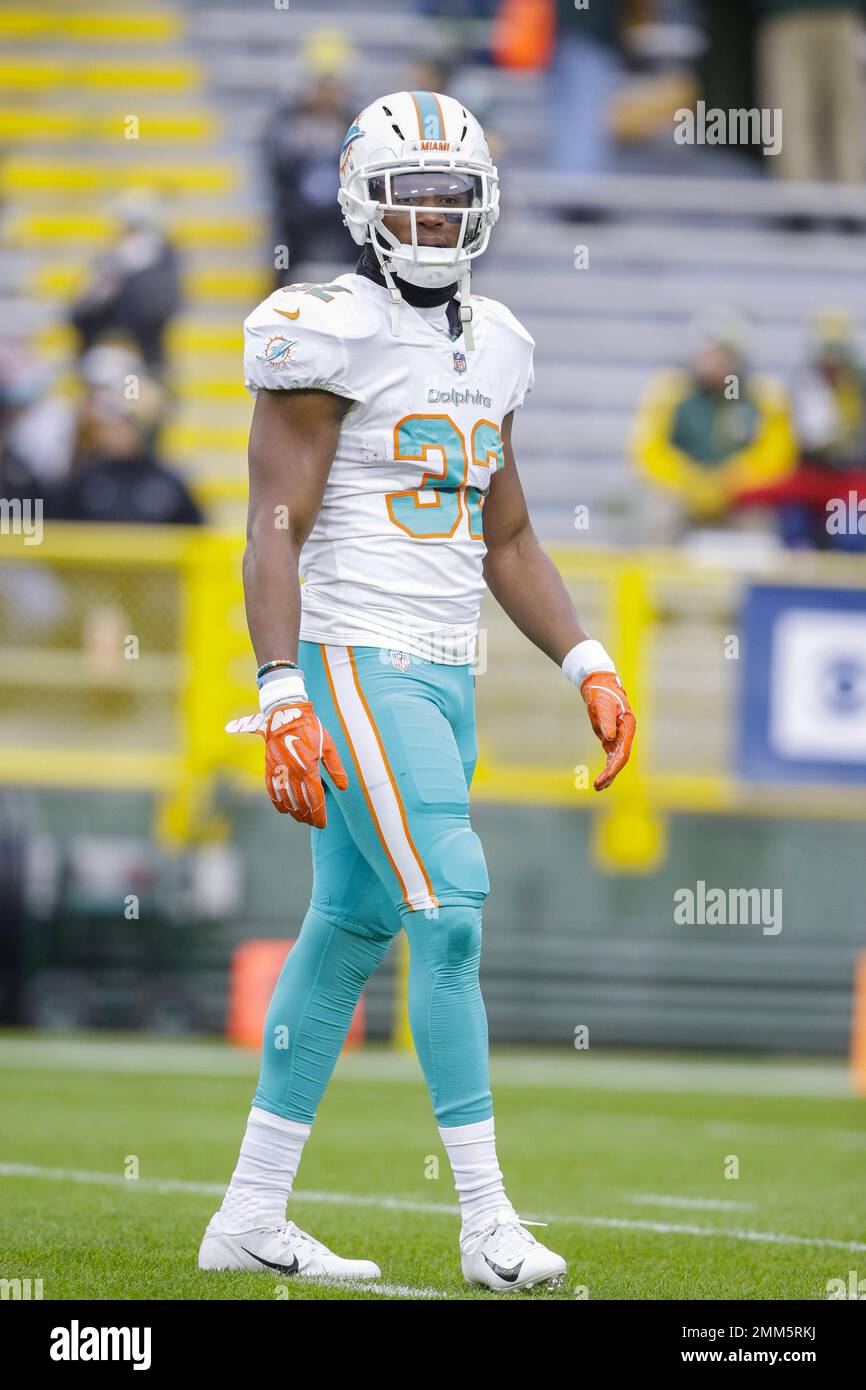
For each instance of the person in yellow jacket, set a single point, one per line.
(706, 432)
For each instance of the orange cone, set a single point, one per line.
(255, 969)
(858, 1027)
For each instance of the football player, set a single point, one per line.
(382, 470)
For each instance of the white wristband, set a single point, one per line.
(281, 689)
(585, 657)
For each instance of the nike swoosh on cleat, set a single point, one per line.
(509, 1275)
(289, 314)
(283, 1269)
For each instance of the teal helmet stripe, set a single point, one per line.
(429, 116)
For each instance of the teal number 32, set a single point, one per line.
(434, 508)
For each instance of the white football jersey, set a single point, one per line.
(395, 557)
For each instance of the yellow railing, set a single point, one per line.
(123, 652)
(667, 619)
(133, 650)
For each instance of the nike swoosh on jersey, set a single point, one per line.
(283, 1269)
(509, 1275)
(289, 313)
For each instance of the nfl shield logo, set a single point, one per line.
(460, 361)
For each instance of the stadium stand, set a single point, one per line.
(664, 251)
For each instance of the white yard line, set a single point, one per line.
(762, 1237)
(380, 1287)
(28, 1170)
(656, 1199)
(87, 1175)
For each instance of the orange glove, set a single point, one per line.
(612, 719)
(295, 742)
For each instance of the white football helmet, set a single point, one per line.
(400, 148)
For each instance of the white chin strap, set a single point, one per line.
(466, 311)
(465, 306)
(396, 299)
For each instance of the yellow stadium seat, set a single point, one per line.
(200, 337)
(185, 441)
(23, 176)
(248, 286)
(20, 125)
(90, 26)
(40, 74)
(29, 228)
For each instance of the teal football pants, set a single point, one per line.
(398, 851)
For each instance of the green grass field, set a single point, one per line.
(623, 1155)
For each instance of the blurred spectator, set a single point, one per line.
(134, 288)
(831, 423)
(707, 431)
(619, 74)
(726, 63)
(831, 397)
(37, 426)
(585, 75)
(116, 475)
(114, 376)
(810, 66)
(298, 147)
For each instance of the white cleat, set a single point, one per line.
(281, 1250)
(505, 1256)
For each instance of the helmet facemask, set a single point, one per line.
(455, 196)
(401, 189)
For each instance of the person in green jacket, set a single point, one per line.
(708, 431)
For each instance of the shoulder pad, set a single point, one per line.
(497, 311)
(298, 339)
(331, 308)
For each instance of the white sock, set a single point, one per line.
(262, 1181)
(477, 1176)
